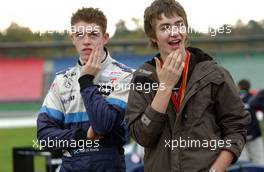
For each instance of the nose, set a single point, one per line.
(175, 31)
(86, 39)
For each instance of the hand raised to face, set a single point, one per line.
(93, 65)
(171, 71)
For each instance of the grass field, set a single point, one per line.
(20, 137)
(27, 106)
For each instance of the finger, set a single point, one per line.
(100, 53)
(178, 61)
(179, 72)
(91, 134)
(174, 57)
(181, 67)
(182, 49)
(168, 59)
(90, 60)
(95, 56)
(158, 64)
(87, 64)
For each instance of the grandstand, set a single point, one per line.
(25, 80)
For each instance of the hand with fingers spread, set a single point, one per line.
(171, 71)
(169, 74)
(93, 65)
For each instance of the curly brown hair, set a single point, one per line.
(167, 7)
(90, 15)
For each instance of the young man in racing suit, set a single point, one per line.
(83, 112)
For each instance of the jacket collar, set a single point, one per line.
(201, 70)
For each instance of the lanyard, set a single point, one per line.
(178, 100)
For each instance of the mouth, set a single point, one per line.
(87, 51)
(174, 44)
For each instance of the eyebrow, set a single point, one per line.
(177, 22)
(95, 32)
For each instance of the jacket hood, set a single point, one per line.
(199, 54)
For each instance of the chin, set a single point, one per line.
(170, 51)
(85, 59)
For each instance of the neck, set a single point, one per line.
(81, 61)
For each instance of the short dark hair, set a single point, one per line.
(154, 11)
(244, 84)
(90, 15)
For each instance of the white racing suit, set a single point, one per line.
(75, 103)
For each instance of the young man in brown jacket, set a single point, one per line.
(194, 120)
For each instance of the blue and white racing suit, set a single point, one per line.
(75, 103)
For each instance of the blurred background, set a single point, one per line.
(34, 45)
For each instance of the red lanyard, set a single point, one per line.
(178, 100)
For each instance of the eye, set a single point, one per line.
(165, 28)
(79, 34)
(95, 33)
(180, 24)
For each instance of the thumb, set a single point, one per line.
(158, 65)
(91, 134)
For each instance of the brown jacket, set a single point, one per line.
(211, 118)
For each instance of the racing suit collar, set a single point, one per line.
(104, 64)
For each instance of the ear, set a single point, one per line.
(105, 38)
(153, 39)
(72, 39)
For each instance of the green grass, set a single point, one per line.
(22, 106)
(19, 137)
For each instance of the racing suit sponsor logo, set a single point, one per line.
(67, 100)
(123, 67)
(105, 89)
